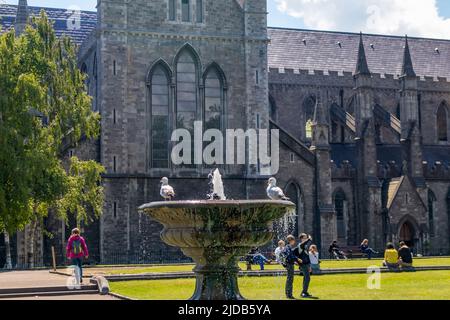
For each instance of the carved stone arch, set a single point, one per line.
(294, 191)
(187, 47)
(214, 88)
(159, 113)
(164, 65)
(214, 66)
(84, 68)
(408, 219)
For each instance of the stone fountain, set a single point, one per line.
(215, 234)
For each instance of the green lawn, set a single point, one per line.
(326, 264)
(433, 285)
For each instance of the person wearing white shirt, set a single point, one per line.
(278, 250)
(314, 258)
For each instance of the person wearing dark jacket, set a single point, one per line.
(305, 265)
(291, 254)
(405, 257)
(336, 252)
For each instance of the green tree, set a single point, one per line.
(44, 110)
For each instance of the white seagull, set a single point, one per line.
(166, 191)
(274, 192)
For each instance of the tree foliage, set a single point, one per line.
(44, 110)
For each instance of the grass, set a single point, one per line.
(326, 264)
(431, 285)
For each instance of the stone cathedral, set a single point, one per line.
(363, 121)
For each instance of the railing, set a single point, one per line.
(160, 257)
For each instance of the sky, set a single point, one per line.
(422, 18)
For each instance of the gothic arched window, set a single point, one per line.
(294, 193)
(431, 210)
(187, 84)
(442, 123)
(340, 207)
(214, 96)
(160, 123)
(308, 129)
(172, 10)
(185, 10)
(84, 71)
(199, 11)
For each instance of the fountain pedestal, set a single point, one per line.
(215, 234)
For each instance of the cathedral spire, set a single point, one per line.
(407, 67)
(362, 67)
(21, 17)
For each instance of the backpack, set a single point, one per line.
(76, 247)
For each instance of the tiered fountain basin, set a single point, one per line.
(215, 234)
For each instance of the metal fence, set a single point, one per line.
(148, 257)
(143, 258)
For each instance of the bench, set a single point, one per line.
(351, 252)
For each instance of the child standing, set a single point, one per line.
(314, 259)
(279, 250)
(76, 250)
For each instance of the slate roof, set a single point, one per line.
(287, 50)
(432, 154)
(60, 17)
(322, 52)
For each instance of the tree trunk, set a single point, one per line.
(31, 243)
(8, 251)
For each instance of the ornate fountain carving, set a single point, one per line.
(215, 234)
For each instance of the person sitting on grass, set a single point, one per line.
(391, 257)
(314, 259)
(76, 250)
(366, 249)
(405, 257)
(336, 252)
(256, 257)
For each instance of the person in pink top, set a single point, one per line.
(76, 250)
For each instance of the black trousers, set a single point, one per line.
(289, 280)
(306, 277)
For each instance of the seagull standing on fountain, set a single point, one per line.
(166, 191)
(274, 192)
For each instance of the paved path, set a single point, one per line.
(30, 279)
(41, 279)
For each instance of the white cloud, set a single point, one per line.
(412, 17)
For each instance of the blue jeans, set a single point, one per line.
(369, 252)
(261, 260)
(315, 268)
(78, 262)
